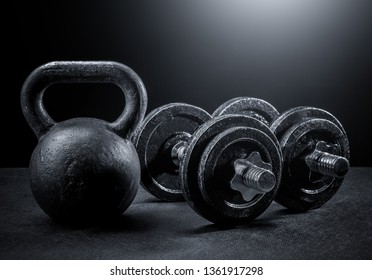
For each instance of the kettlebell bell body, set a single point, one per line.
(84, 170)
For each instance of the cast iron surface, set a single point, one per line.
(150, 229)
(296, 114)
(250, 106)
(216, 171)
(194, 157)
(298, 131)
(84, 170)
(158, 133)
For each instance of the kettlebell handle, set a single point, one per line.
(84, 72)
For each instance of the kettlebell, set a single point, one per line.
(84, 170)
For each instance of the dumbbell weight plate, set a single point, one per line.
(159, 175)
(197, 150)
(281, 124)
(253, 107)
(216, 170)
(299, 132)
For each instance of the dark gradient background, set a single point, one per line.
(288, 52)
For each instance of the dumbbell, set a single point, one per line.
(227, 168)
(160, 141)
(314, 145)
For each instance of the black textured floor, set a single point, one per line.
(149, 229)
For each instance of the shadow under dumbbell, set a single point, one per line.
(268, 220)
(277, 213)
(288, 212)
(157, 200)
(256, 224)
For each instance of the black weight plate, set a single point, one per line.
(159, 175)
(253, 107)
(196, 146)
(225, 205)
(297, 191)
(298, 114)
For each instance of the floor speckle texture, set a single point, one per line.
(150, 229)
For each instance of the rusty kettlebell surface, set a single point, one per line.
(84, 170)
